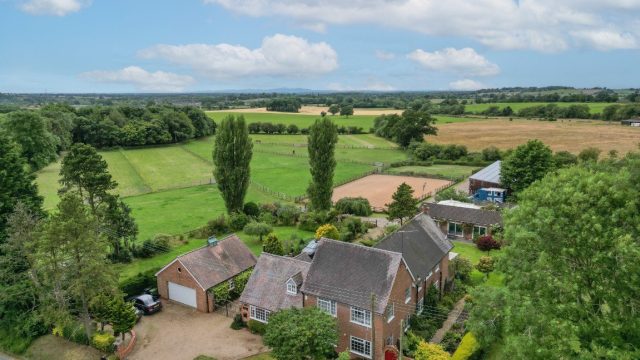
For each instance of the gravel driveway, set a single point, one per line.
(179, 332)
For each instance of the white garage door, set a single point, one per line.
(182, 294)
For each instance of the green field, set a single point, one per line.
(476, 108)
(453, 171)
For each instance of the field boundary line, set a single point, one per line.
(306, 157)
(201, 158)
(135, 170)
(339, 146)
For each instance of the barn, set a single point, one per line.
(187, 278)
(489, 177)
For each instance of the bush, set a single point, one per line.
(351, 228)
(103, 341)
(467, 349)
(237, 221)
(217, 226)
(73, 332)
(450, 341)
(257, 229)
(288, 214)
(267, 218)
(251, 209)
(327, 231)
(310, 221)
(136, 285)
(462, 267)
(354, 205)
(491, 153)
(487, 243)
(257, 327)
(452, 193)
(272, 245)
(151, 247)
(237, 323)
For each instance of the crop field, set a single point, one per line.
(569, 135)
(594, 107)
(453, 171)
(379, 188)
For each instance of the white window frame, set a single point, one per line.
(364, 343)
(254, 311)
(407, 295)
(477, 233)
(361, 313)
(391, 312)
(328, 306)
(292, 288)
(429, 276)
(420, 305)
(232, 284)
(437, 268)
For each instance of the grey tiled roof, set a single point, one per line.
(464, 215)
(350, 274)
(211, 265)
(421, 243)
(267, 287)
(303, 256)
(489, 174)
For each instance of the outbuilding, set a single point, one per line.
(187, 278)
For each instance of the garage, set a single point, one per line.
(182, 294)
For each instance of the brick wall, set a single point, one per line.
(176, 273)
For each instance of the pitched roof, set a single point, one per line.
(350, 274)
(267, 288)
(421, 243)
(489, 174)
(303, 256)
(211, 265)
(464, 214)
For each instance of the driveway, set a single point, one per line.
(179, 332)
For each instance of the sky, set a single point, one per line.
(379, 45)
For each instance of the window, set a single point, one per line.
(407, 295)
(361, 316)
(292, 288)
(361, 347)
(437, 268)
(429, 276)
(389, 341)
(479, 231)
(232, 284)
(259, 314)
(391, 312)
(328, 306)
(455, 229)
(436, 284)
(420, 305)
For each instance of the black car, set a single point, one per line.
(146, 303)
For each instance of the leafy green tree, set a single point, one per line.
(486, 318)
(462, 267)
(231, 158)
(562, 159)
(571, 268)
(413, 126)
(346, 110)
(528, 163)
(257, 229)
(120, 228)
(306, 333)
(323, 136)
(122, 316)
(272, 245)
(403, 204)
(29, 130)
(485, 265)
(334, 109)
(16, 184)
(100, 309)
(590, 154)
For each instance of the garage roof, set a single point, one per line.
(490, 174)
(213, 264)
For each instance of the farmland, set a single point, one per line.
(569, 135)
(450, 171)
(595, 108)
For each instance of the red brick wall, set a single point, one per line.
(171, 274)
(474, 185)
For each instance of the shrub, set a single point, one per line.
(311, 221)
(487, 243)
(251, 209)
(462, 267)
(351, 228)
(451, 340)
(428, 351)
(135, 285)
(257, 327)
(327, 231)
(491, 153)
(237, 221)
(217, 226)
(151, 247)
(257, 229)
(272, 245)
(391, 228)
(237, 323)
(467, 348)
(288, 214)
(485, 265)
(240, 282)
(103, 341)
(368, 242)
(267, 218)
(452, 194)
(354, 205)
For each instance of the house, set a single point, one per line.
(494, 195)
(426, 251)
(187, 278)
(367, 290)
(631, 122)
(463, 221)
(274, 285)
(489, 177)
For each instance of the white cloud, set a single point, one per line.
(466, 85)
(543, 25)
(53, 7)
(606, 40)
(385, 55)
(465, 61)
(278, 55)
(142, 79)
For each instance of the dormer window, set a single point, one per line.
(292, 288)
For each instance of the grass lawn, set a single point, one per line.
(342, 154)
(471, 252)
(51, 347)
(48, 185)
(283, 233)
(443, 170)
(594, 107)
(129, 180)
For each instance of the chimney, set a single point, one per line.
(212, 241)
(425, 208)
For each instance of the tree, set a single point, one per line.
(346, 110)
(528, 163)
(491, 153)
(258, 229)
(272, 245)
(429, 351)
(123, 316)
(403, 204)
(334, 109)
(100, 309)
(462, 268)
(29, 130)
(486, 319)
(231, 158)
(485, 265)
(323, 136)
(16, 184)
(590, 154)
(572, 263)
(119, 227)
(306, 333)
(562, 159)
(327, 231)
(413, 126)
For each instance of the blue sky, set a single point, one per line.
(201, 45)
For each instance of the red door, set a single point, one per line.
(390, 355)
